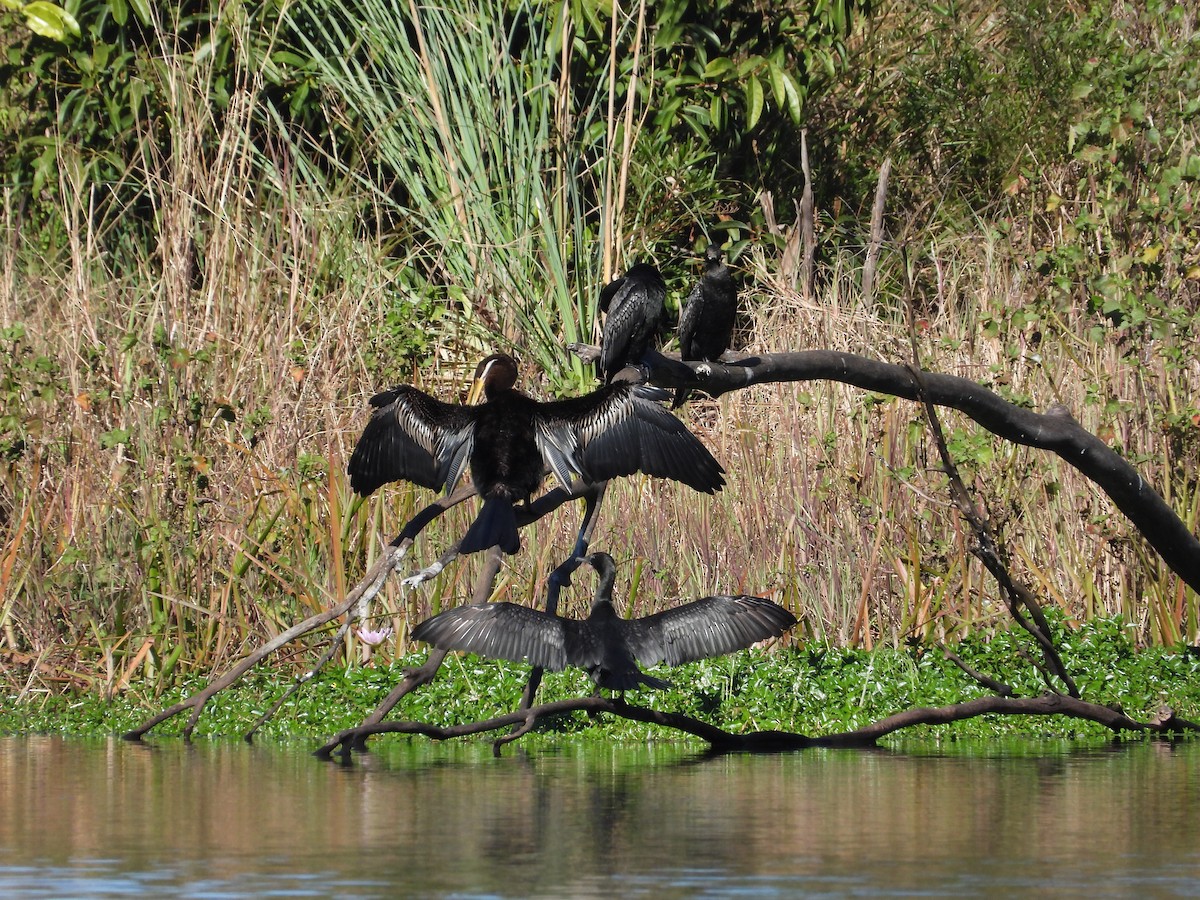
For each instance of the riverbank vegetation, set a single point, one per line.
(224, 229)
(816, 689)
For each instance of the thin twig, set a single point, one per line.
(331, 650)
(991, 684)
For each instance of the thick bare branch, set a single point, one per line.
(485, 583)
(1046, 705)
(1055, 430)
(358, 599)
(773, 741)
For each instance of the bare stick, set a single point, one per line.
(1046, 705)
(359, 598)
(991, 684)
(330, 650)
(485, 583)
(990, 554)
(369, 586)
(807, 216)
(876, 244)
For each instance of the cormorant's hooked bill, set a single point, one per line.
(608, 646)
(510, 441)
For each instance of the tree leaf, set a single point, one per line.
(49, 20)
(718, 67)
(793, 103)
(754, 101)
(141, 9)
(716, 111)
(775, 76)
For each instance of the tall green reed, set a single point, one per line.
(480, 152)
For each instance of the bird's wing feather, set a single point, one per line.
(710, 626)
(414, 437)
(621, 312)
(633, 308)
(688, 319)
(617, 430)
(500, 631)
(609, 292)
(583, 646)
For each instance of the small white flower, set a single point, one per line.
(374, 638)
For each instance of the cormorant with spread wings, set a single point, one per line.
(605, 644)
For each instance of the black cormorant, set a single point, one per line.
(605, 644)
(511, 441)
(633, 308)
(706, 322)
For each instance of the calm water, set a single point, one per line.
(217, 820)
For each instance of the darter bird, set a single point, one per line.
(511, 441)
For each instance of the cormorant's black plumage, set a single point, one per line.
(706, 322)
(511, 441)
(633, 308)
(605, 644)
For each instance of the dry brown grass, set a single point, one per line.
(180, 495)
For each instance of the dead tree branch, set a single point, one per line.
(1055, 430)
(998, 687)
(359, 597)
(989, 552)
(772, 741)
(358, 600)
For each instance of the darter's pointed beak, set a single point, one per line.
(475, 393)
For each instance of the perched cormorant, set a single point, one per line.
(605, 644)
(706, 322)
(511, 440)
(633, 308)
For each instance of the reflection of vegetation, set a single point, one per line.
(224, 226)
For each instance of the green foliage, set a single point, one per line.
(30, 384)
(49, 20)
(815, 690)
(224, 226)
(454, 118)
(90, 111)
(731, 72)
(1131, 254)
(724, 88)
